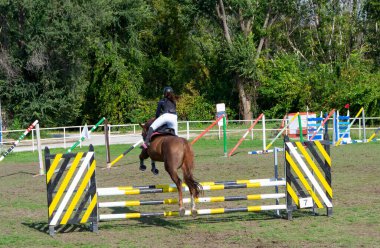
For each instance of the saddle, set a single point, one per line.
(163, 130)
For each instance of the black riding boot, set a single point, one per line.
(148, 136)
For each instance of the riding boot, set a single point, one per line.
(148, 136)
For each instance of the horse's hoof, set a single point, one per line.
(155, 171)
(194, 212)
(182, 212)
(142, 167)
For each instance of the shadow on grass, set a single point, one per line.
(235, 153)
(18, 173)
(44, 227)
(172, 223)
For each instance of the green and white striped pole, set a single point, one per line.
(300, 127)
(83, 137)
(22, 136)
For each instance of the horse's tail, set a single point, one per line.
(187, 169)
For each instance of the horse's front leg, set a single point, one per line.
(154, 170)
(142, 165)
(142, 157)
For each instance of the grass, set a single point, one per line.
(355, 221)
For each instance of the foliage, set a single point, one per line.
(283, 86)
(143, 111)
(193, 106)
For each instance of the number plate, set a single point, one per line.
(306, 202)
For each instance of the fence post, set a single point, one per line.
(64, 137)
(107, 141)
(251, 131)
(80, 135)
(33, 139)
(42, 172)
(187, 130)
(364, 132)
(264, 133)
(225, 135)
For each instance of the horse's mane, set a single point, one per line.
(149, 122)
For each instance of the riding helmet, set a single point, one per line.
(168, 89)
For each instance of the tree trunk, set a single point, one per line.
(244, 100)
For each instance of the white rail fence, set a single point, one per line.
(64, 137)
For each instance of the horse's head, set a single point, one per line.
(145, 127)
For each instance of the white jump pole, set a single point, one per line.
(278, 135)
(42, 171)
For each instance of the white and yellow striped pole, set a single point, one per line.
(373, 135)
(123, 154)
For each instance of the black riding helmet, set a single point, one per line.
(168, 89)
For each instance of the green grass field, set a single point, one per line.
(355, 221)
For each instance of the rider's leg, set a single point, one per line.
(156, 124)
(148, 136)
(172, 122)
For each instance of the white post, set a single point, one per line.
(32, 140)
(337, 125)
(334, 128)
(251, 130)
(109, 133)
(276, 176)
(286, 124)
(64, 137)
(109, 130)
(42, 172)
(264, 133)
(80, 136)
(364, 132)
(359, 130)
(187, 130)
(307, 122)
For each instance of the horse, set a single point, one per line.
(175, 152)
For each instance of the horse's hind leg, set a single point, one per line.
(194, 211)
(154, 170)
(174, 176)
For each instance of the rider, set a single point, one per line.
(166, 113)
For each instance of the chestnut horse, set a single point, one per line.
(176, 153)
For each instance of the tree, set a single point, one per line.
(43, 48)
